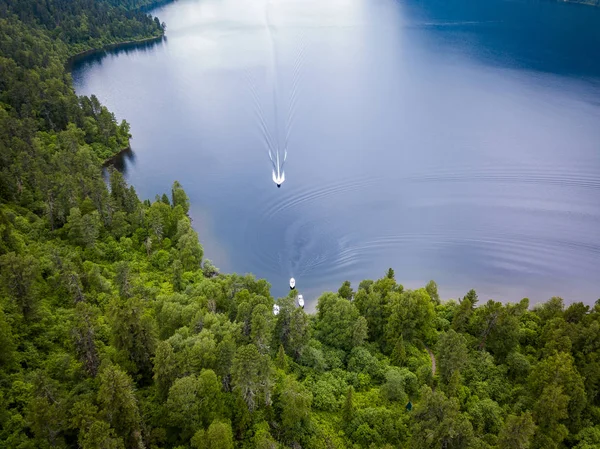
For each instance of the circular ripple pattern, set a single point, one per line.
(420, 136)
(309, 244)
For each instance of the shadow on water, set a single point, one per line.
(92, 58)
(156, 5)
(558, 36)
(121, 161)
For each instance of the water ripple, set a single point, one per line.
(579, 178)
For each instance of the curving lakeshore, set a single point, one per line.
(451, 140)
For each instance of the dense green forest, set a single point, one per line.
(586, 2)
(116, 333)
(83, 24)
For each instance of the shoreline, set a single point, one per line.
(84, 54)
(154, 5)
(111, 160)
(594, 3)
(91, 51)
(133, 43)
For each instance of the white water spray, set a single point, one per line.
(276, 139)
(276, 160)
(278, 173)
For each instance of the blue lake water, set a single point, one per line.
(454, 140)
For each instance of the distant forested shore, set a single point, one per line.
(116, 332)
(113, 48)
(585, 2)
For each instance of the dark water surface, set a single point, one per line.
(455, 140)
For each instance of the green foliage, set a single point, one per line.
(487, 416)
(118, 404)
(377, 426)
(372, 301)
(87, 24)
(339, 323)
(100, 436)
(362, 361)
(19, 274)
(165, 368)
(412, 317)
(432, 291)
(281, 361)
(7, 345)
(439, 423)
(179, 197)
(291, 328)
(251, 374)
(346, 291)
(193, 402)
(295, 402)
(262, 437)
(133, 332)
(517, 432)
(328, 391)
(84, 337)
(400, 385)
(464, 311)
(116, 334)
(559, 397)
(588, 438)
(452, 354)
(348, 409)
(218, 436)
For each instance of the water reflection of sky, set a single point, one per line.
(453, 140)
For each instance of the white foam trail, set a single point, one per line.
(278, 179)
(279, 139)
(278, 175)
(294, 91)
(260, 115)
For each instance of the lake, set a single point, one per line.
(454, 140)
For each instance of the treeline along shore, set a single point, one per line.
(116, 332)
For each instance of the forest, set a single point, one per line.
(116, 332)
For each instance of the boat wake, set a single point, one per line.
(276, 137)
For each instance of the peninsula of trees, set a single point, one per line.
(116, 333)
